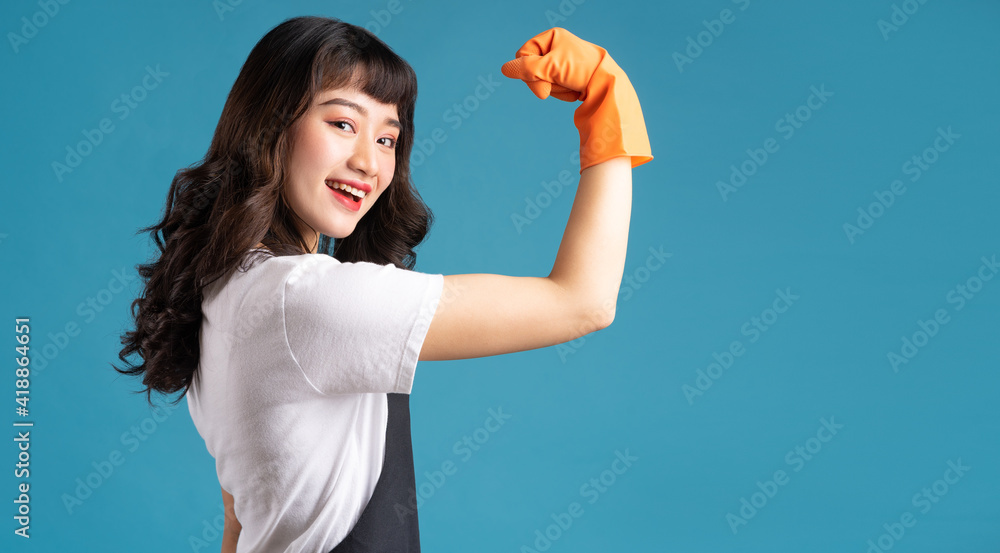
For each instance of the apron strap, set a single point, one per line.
(389, 521)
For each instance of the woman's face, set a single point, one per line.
(345, 137)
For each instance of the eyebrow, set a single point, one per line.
(361, 110)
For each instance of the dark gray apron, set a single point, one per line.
(389, 522)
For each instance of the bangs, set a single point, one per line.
(368, 65)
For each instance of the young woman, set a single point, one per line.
(283, 303)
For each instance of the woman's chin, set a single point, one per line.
(340, 230)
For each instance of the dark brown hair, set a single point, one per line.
(219, 209)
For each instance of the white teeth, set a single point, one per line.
(342, 186)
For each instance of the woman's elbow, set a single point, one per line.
(599, 315)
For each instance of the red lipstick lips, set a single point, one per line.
(346, 197)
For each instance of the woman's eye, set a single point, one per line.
(392, 141)
(337, 123)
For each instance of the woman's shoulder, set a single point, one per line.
(263, 261)
(261, 272)
(308, 273)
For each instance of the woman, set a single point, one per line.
(297, 355)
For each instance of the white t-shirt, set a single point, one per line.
(297, 354)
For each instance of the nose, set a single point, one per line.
(364, 158)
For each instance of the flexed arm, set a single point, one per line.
(486, 314)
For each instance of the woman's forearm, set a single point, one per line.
(230, 537)
(232, 529)
(591, 258)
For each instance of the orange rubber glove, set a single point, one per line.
(556, 62)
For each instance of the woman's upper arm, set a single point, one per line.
(486, 314)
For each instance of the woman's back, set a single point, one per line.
(292, 404)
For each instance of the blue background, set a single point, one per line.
(621, 389)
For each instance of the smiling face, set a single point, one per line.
(345, 138)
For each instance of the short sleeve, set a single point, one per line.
(357, 327)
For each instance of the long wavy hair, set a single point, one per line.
(220, 208)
